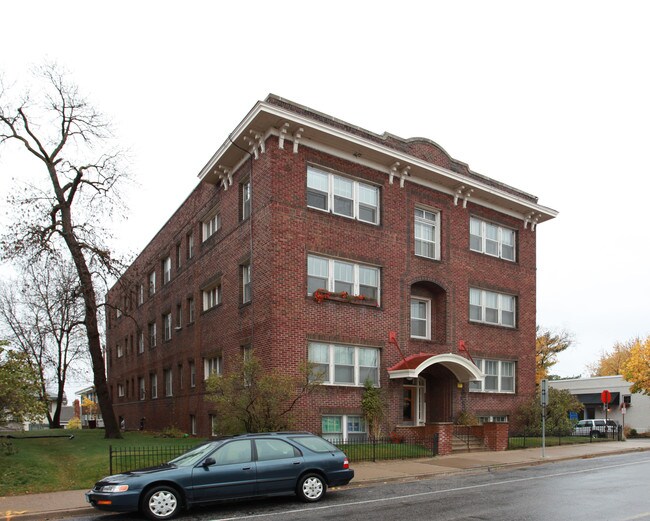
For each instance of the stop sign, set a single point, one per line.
(606, 396)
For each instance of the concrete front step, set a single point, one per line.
(463, 445)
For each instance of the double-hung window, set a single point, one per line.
(491, 239)
(245, 200)
(168, 382)
(427, 230)
(343, 428)
(167, 270)
(153, 383)
(338, 276)
(337, 364)
(499, 376)
(211, 297)
(152, 334)
(490, 307)
(212, 366)
(141, 342)
(420, 318)
(342, 196)
(190, 245)
(141, 388)
(152, 283)
(167, 326)
(246, 283)
(210, 226)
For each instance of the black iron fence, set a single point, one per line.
(525, 440)
(122, 459)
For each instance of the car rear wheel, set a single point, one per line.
(311, 488)
(161, 503)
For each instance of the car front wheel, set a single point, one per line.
(161, 503)
(311, 488)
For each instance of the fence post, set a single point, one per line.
(110, 460)
(374, 447)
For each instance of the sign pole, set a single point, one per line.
(544, 399)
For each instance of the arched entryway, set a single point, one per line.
(428, 385)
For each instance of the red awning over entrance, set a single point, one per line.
(413, 365)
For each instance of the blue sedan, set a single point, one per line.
(249, 465)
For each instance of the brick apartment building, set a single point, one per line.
(428, 270)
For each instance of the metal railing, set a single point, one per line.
(123, 459)
(524, 439)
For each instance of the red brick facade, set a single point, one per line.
(282, 318)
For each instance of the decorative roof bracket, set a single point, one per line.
(296, 139)
(225, 177)
(462, 193)
(533, 219)
(392, 172)
(283, 133)
(403, 175)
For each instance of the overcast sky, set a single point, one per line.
(550, 97)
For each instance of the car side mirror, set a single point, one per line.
(208, 461)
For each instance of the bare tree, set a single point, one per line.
(69, 211)
(42, 314)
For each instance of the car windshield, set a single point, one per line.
(315, 443)
(194, 456)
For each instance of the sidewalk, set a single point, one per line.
(72, 502)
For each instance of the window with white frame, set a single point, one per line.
(212, 366)
(152, 283)
(342, 196)
(120, 390)
(152, 334)
(192, 424)
(141, 342)
(190, 245)
(245, 200)
(246, 283)
(120, 350)
(140, 294)
(336, 275)
(192, 374)
(490, 307)
(211, 297)
(493, 419)
(499, 376)
(167, 270)
(337, 364)
(179, 316)
(210, 226)
(153, 384)
(343, 428)
(168, 376)
(179, 256)
(491, 239)
(427, 233)
(167, 326)
(420, 318)
(214, 425)
(190, 310)
(141, 388)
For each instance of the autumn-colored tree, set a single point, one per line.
(560, 403)
(549, 343)
(611, 361)
(636, 368)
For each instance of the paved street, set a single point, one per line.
(610, 488)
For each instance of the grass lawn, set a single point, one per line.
(382, 451)
(51, 464)
(551, 441)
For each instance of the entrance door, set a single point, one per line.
(413, 403)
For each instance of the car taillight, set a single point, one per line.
(346, 463)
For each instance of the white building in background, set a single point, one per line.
(588, 391)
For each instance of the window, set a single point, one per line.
(336, 275)
(190, 245)
(180, 376)
(141, 388)
(427, 234)
(192, 374)
(210, 226)
(192, 424)
(342, 196)
(152, 334)
(212, 366)
(168, 376)
(336, 364)
(245, 200)
(238, 451)
(179, 316)
(118, 313)
(153, 383)
(420, 318)
(190, 310)
(120, 350)
(167, 270)
(491, 308)
(270, 449)
(491, 239)
(179, 256)
(493, 419)
(140, 294)
(152, 283)
(343, 428)
(214, 430)
(141, 342)
(167, 327)
(246, 283)
(211, 297)
(499, 377)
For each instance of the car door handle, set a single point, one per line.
(296, 462)
(246, 468)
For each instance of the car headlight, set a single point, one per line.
(114, 488)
